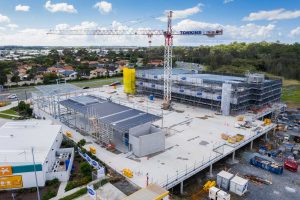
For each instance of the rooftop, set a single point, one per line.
(152, 191)
(17, 139)
(55, 89)
(190, 74)
(121, 117)
(192, 136)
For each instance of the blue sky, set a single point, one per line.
(25, 22)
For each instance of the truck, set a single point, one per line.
(266, 163)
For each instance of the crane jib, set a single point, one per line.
(191, 32)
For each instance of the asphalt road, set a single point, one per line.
(24, 93)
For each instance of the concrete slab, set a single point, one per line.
(108, 191)
(193, 140)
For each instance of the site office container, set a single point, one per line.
(223, 179)
(221, 195)
(238, 185)
(213, 193)
(217, 194)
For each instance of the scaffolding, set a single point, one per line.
(207, 90)
(107, 122)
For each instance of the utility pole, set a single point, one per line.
(36, 180)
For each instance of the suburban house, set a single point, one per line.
(156, 62)
(98, 72)
(65, 71)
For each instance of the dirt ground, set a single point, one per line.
(284, 187)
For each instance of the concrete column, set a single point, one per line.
(233, 156)
(181, 187)
(251, 145)
(210, 171)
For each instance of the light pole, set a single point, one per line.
(36, 180)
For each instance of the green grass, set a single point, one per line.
(75, 195)
(291, 93)
(96, 82)
(9, 111)
(4, 116)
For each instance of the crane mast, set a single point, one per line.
(168, 35)
(168, 63)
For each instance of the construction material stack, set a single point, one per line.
(266, 163)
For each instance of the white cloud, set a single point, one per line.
(104, 7)
(84, 25)
(295, 32)
(181, 14)
(227, 1)
(278, 14)
(32, 36)
(60, 7)
(245, 32)
(22, 8)
(12, 26)
(2, 28)
(4, 19)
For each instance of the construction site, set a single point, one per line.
(226, 94)
(165, 147)
(165, 127)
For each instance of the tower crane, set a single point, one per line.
(168, 35)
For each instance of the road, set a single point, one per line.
(24, 93)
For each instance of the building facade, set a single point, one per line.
(27, 147)
(224, 93)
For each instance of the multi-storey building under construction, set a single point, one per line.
(225, 93)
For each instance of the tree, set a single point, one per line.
(81, 142)
(54, 55)
(24, 109)
(85, 169)
(15, 78)
(6, 67)
(49, 78)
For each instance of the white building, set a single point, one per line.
(17, 139)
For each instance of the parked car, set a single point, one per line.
(115, 83)
(12, 96)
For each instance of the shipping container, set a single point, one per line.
(266, 163)
(213, 193)
(221, 195)
(238, 185)
(223, 179)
